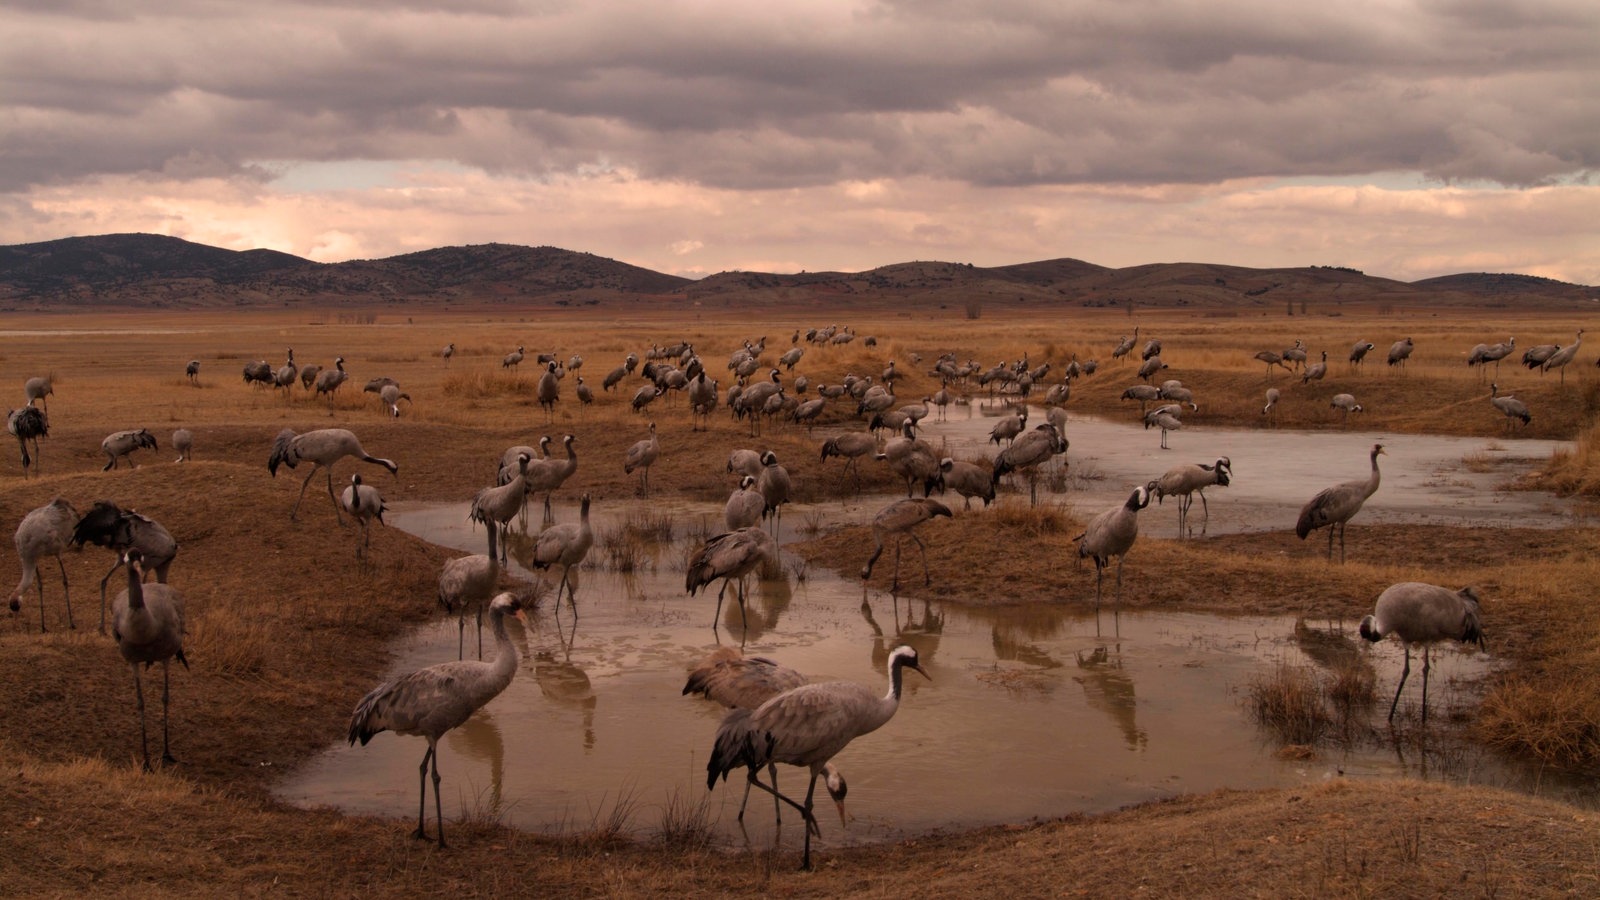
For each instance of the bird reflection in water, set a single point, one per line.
(479, 739)
(921, 633)
(564, 683)
(1108, 688)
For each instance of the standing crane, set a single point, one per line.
(147, 623)
(363, 503)
(431, 701)
(1419, 613)
(728, 556)
(900, 519)
(1509, 406)
(549, 391)
(322, 448)
(1027, 453)
(45, 531)
(1564, 355)
(745, 682)
(565, 546)
(806, 726)
(1184, 482)
(1112, 533)
(27, 424)
(1334, 507)
(469, 580)
(642, 456)
(119, 530)
(123, 443)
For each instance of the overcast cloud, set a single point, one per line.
(1408, 138)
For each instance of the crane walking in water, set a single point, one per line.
(431, 701)
(806, 726)
(1419, 613)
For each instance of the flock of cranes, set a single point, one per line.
(774, 714)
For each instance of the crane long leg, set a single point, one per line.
(64, 590)
(1404, 672)
(1330, 542)
(166, 689)
(303, 485)
(1099, 580)
(1120, 560)
(1341, 543)
(894, 584)
(438, 805)
(138, 693)
(927, 579)
(811, 822)
(1426, 664)
(334, 500)
(39, 584)
(422, 797)
(805, 856)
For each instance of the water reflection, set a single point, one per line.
(478, 739)
(1063, 709)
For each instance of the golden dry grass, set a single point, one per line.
(286, 630)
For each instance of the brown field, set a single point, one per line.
(286, 632)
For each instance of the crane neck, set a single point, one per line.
(1372, 482)
(135, 586)
(505, 660)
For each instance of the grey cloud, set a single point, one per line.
(992, 93)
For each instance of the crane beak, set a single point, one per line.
(844, 817)
(923, 672)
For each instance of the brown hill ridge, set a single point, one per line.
(143, 270)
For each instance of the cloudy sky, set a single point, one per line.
(1407, 138)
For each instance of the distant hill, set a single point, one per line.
(142, 270)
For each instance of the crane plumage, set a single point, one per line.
(642, 456)
(363, 503)
(46, 531)
(745, 682)
(728, 556)
(1334, 507)
(901, 519)
(745, 506)
(1112, 533)
(468, 580)
(147, 623)
(1185, 481)
(122, 443)
(565, 546)
(1026, 454)
(431, 701)
(1562, 356)
(119, 530)
(1420, 613)
(322, 448)
(806, 726)
(1509, 406)
(969, 480)
(27, 424)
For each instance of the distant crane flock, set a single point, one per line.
(774, 714)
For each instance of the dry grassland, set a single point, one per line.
(287, 630)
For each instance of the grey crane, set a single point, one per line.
(1112, 533)
(1272, 400)
(284, 377)
(363, 503)
(914, 460)
(507, 469)
(546, 476)
(1174, 390)
(1534, 357)
(1186, 481)
(1271, 359)
(745, 682)
(1334, 507)
(448, 352)
(431, 701)
(45, 531)
(119, 530)
(1345, 402)
(901, 519)
(728, 556)
(1026, 454)
(1152, 349)
(806, 413)
(644, 396)
(496, 506)
(565, 546)
(1425, 614)
(969, 480)
(1144, 393)
(1296, 355)
(745, 505)
(469, 581)
(549, 391)
(329, 380)
(1359, 351)
(1151, 366)
(322, 448)
(259, 372)
(1316, 370)
(806, 726)
(513, 359)
(774, 484)
(1400, 351)
(1483, 354)
(390, 396)
(123, 443)
(1125, 346)
(27, 424)
(744, 461)
(642, 456)
(147, 623)
(1010, 426)
(574, 363)
(1560, 358)
(586, 396)
(1165, 418)
(1509, 406)
(850, 446)
(38, 388)
(702, 400)
(192, 372)
(183, 442)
